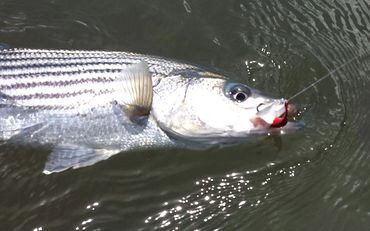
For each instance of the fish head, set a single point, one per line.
(212, 108)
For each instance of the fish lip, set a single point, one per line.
(258, 122)
(279, 121)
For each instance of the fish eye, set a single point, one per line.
(240, 96)
(239, 93)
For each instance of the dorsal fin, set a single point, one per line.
(135, 90)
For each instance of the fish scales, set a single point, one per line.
(38, 78)
(89, 105)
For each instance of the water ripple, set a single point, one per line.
(315, 178)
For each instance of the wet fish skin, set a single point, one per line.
(64, 99)
(72, 91)
(38, 78)
(74, 101)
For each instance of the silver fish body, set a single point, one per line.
(71, 100)
(66, 97)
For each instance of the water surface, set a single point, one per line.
(315, 179)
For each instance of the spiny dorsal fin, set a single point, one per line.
(135, 90)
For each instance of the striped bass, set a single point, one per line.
(89, 105)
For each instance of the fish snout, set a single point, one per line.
(282, 119)
(273, 115)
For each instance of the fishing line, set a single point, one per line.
(326, 76)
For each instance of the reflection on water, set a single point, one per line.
(314, 179)
(215, 199)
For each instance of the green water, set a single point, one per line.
(315, 179)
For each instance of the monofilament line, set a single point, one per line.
(324, 77)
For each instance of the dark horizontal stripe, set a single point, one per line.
(43, 107)
(43, 73)
(58, 95)
(56, 74)
(76, 108)
(83, 65)
(55, 83)
(13, 55)
(25, 66)
(92, 67)
(25, 54)
(31, 57)
(56, 54)
(63, 52)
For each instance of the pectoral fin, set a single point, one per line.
(135, 88)
(67, 156)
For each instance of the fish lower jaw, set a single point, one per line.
(258, 122)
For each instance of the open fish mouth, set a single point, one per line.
(274, 115)
(282, 119)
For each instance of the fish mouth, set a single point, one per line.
(282, 119)
(274, 118)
